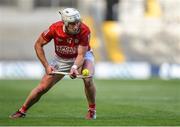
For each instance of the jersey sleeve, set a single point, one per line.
(85, 38)
(48, 33)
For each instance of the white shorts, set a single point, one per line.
(64, 65)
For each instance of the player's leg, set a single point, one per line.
(89, 84)
(89, 87)
(46, 83)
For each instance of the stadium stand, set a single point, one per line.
(149, 29)
(152, 8)
(151, 36)
(111, 32)
(95, 44)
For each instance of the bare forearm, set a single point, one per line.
(79, 61)
(41, 55)
(80, 58)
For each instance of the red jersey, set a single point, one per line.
(66, 45)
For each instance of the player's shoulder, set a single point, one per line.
(84, 27)
(57, 24)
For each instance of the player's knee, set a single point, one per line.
(88, 82)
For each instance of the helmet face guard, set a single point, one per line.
(70, 17)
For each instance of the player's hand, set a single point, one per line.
(73, 72)
(49, 70)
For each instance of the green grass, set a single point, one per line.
(119, 102)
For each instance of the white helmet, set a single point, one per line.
(70, 15)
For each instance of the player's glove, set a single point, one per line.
(73, 72)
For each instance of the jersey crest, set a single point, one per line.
(59, 40)
(76, 40)
(69, 40)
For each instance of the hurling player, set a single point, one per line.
(72, 53)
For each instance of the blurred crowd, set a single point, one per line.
(122, 30)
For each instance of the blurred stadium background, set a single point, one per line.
(131, 39)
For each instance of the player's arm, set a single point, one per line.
(82, 49)
(41, 54)
(79, 60)
(80, 57)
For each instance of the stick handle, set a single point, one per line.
(66, 73)
(60, 73)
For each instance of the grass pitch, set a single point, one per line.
(119, 102)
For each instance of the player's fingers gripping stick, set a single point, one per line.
(49, 70)
(73, 72)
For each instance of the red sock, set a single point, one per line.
(23, 109)
(92, 106)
